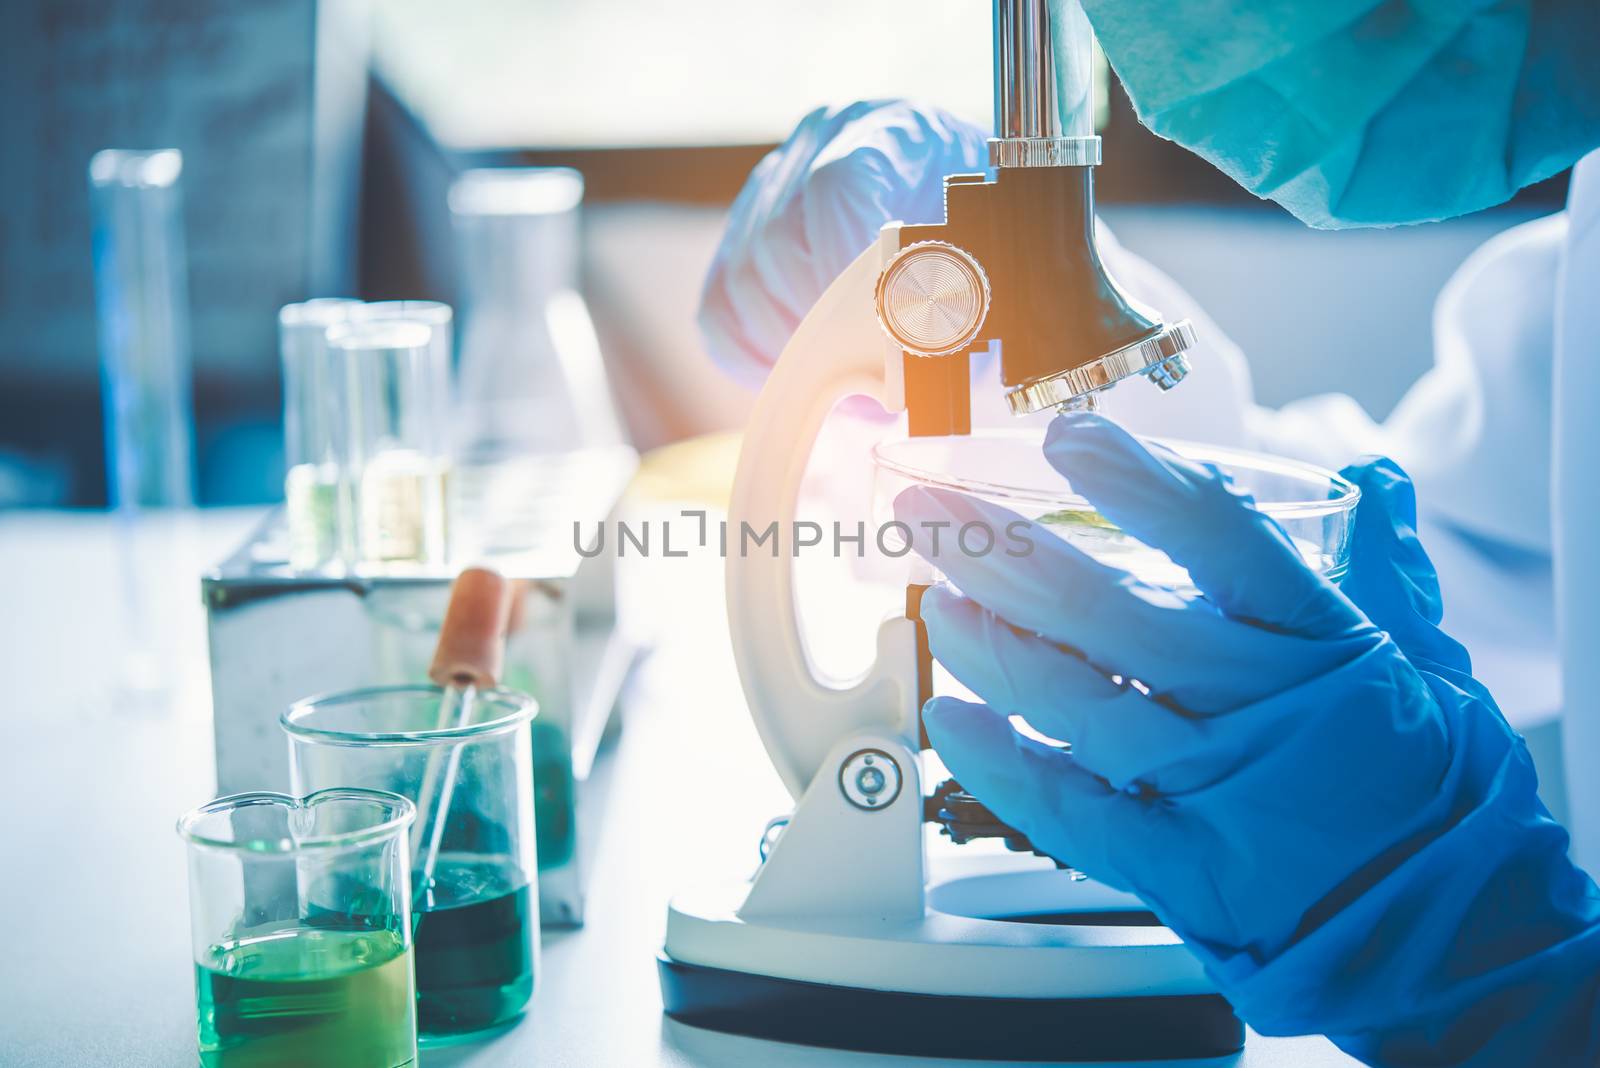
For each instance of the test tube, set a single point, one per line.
(397, 463)
(320, 526)
(439, 318)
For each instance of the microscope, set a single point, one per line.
(849, 935)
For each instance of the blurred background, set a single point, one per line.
(320, 139)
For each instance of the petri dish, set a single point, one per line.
(1315, 507)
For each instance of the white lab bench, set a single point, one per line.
(93, 906)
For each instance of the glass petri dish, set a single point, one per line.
(1315, 507)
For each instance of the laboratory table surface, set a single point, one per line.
(108, 739)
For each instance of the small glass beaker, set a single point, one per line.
(316, 504)
(396, 440)
(466, 764)
(301, 916)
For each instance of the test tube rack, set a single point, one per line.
(277, 635)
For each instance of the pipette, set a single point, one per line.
(468, 657)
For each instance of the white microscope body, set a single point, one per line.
(847, 936)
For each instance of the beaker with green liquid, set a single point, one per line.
(464, 758)
(301, 916)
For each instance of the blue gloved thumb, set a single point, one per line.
(1238, 557)
(1391, 578)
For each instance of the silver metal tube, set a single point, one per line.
(1024, 70)
(1043, 69)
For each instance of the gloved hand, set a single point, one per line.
(1306, 784)
(811, 206)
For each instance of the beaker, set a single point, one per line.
(300, 910)
(467, 765)
(316, 499)
(395, 441)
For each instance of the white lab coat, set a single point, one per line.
(1575, 499)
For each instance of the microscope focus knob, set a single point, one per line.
(932, 298)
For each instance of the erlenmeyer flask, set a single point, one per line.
(531, 375)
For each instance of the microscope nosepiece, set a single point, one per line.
(1158, 357)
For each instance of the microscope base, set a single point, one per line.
(942, 1025)
(1088, 979)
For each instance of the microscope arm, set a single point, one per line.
(838, 351)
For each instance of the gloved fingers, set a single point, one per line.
(1013, 671)
(1391, 578)
(1064, 810)
(1116, 732)
(1179, 646)
(1238, 557)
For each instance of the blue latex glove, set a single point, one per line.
(1313, 791)
(811, 206)
(1365, 112)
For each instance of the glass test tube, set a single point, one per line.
(300, 912)
(440, 321)
(398, 464)
(317, 507)
(142, 299)
(467, 766)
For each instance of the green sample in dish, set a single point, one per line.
(309, 997)
(1110, 544)
(1079, 518)
(475, 944)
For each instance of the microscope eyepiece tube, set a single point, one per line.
(1034, 95)
(1043, 94)
(1024, 70)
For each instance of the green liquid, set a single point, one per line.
(554, 795)
(308, 997)
(475, 944)
(554, 791)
